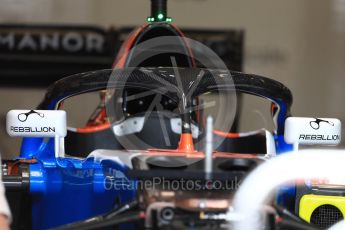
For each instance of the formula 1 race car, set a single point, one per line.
(81, 186)
(159, 147)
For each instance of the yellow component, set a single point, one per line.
(310, 202)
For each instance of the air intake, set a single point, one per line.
(325, 216)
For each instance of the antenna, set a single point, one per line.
(209, 147)
(159, 11)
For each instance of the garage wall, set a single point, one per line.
(300, 43)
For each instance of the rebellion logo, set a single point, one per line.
(316, 124)
(319, 137)
(28, 129)
(23, 117)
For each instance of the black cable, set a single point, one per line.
(121, 209)
(286, 213)
(100, 218)
(291, 220)
(103, 223)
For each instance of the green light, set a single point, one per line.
(160, 18)
(150, 19)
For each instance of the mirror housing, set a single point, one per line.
(312, 131)
(39, 123)
(36, 123)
